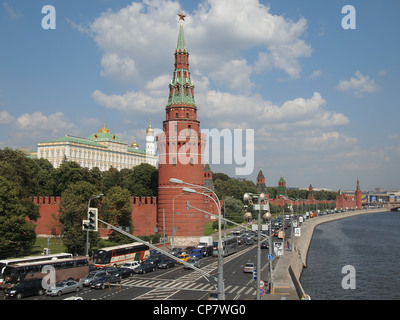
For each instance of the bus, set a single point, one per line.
(229, 246)
(6, 262)
(118, 255)
(73, 268)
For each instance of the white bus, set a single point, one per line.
(229, 246)
(118, 255)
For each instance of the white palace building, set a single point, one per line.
(102, 149)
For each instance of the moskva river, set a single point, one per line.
(356, 258)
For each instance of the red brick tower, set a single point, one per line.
(181, 148)
(358, 196)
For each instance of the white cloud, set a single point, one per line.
(358, 85)
(135, 40)
(5, 117)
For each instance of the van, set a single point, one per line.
(26, 288)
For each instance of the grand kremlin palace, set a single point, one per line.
(102, 149)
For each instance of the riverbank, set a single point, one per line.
(287, 273)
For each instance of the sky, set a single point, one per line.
(316, 86)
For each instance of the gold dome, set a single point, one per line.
(135, 145)
(149, 129)
(104, 129)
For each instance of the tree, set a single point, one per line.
(68, 172)
(117, 210)
(142, 180)
(16, 232)
(73, 209)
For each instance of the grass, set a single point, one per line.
(56, 246)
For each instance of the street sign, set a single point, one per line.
(262, 284)
(262, 292)
(297, 232)
(254, 274)
(270, 256)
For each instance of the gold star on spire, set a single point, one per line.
(181, 16)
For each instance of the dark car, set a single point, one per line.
(105, 281)
(145, 267)
(176, 251)
(26, 288)
(122, 272)
(207, 251)
(264, 245)
(156, 259)
(167, 263)
(249, 242)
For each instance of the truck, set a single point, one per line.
(205, 242)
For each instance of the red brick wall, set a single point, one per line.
(144, 215)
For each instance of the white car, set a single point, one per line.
(64, 287)
(131, 265)
(249, 267)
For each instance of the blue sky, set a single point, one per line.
(322, 100)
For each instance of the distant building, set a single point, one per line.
(102, 149)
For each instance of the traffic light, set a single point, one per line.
(91, 223)
(187, 205)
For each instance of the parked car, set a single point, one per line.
(167, 263)
(123, 272)
(194, 262)
(26, 288)
(249, 267)
(207, 251)
(102, 282)
(131, 265)
(183, 257)
(88, 280)
(64, 287)
(145, 267)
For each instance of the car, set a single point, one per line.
(207, 251)
(25, 288)
(155, 259)
(264, 245)
(167, 263)
(123, 272)
(62, 287)
(183, 257)
(145, 267)
(196, 253)
(131, 265)
(194, 262)
(249, 267)
(102, 282)
(87, 281)
(176, 251)
(249, 242)
(213, 296)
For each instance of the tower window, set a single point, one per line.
(177, 115)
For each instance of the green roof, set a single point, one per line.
(104, 136)
(74, 140)
(181, 45)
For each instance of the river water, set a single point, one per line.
(367, 247)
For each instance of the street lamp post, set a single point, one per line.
(247, 198)
(221, 289)
(87, 231)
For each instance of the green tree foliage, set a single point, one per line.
(73, 209)
(16, 233)
(116, 210)
(22, 178)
